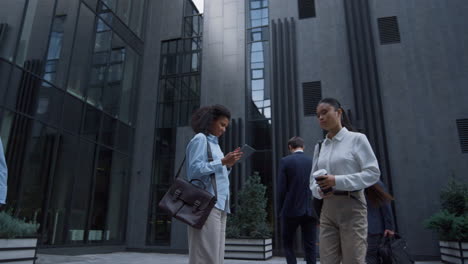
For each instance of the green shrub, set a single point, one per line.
(11, 227)
(249, 221)
(451, 223)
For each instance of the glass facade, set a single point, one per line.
(67, 106)
(258, 126)
(178, 97)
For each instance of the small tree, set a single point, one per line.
(451, 223)
(12, 227)
(250, 218)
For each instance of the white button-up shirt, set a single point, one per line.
(3, 175)
(348, 156)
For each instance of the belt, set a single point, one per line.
(345, 193)
(349, 194)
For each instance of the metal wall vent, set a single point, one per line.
(388, 30)
(306, 8)
(311, 94)
(462, 125)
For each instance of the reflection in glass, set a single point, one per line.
(11, 23)
(80, 59)
(61, 189)
(81, 192)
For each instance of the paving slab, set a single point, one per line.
(147, 258)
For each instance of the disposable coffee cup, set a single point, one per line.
(317, 175)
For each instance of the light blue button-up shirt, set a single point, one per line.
(199, 168)
(3, 175)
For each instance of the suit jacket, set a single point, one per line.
(294, 194)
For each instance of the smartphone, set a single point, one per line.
(247, 151)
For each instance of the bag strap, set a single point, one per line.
(212, 176)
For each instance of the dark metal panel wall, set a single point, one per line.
(285, 94)
(368, 116)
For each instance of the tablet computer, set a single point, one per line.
(247, 152)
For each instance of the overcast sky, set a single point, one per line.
(199, 4)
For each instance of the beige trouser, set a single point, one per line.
(206, 245)
(343, 230)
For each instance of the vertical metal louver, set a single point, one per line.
(462, 125)
(311, 94)
(3, 29)
(306, 8)
(388, 30)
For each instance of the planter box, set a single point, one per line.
(18, 250)
(253, 249)
(454, 252)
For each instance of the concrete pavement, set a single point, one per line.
(145, 258)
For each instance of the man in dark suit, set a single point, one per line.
(295, 201)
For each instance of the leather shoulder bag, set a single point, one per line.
(187, 202)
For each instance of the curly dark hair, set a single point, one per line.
(205, 116)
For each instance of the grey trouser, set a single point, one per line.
(206, 245)
(343, 230)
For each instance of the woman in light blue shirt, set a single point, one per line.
(206, 245)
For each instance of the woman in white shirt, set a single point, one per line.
(350, 166)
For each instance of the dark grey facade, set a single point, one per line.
(96, 96)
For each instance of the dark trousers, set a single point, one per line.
(373, 243)
(309, 233)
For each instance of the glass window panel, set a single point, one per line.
(129, 85)
(115, 73)
(123, 10)
(15, 85)
(256, 22)
(103, 41)
(79, 66)
(49, 104)
(108, 131)
(257, 65)
(258, 84)
(257, 95)
(257, 56)
(187, 64)
(62, 187)
(118, 55)
(98, 229)
(30, 146)
(257, 46)
(267, 103)
(11, 14)
(72, 113)
(5, 73)
(81, 192)
(124, 138)
(195, 62)
(255, 4)
(256, 36)
(118, 196)
(257, 74)
(172, 46)
(91, 123)
(265, 3)
(259, 104)
(265, 22)
(38, 18)
(111, 4)
(255, 14)
(265, 13)
(164, 48)
(267, 112)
